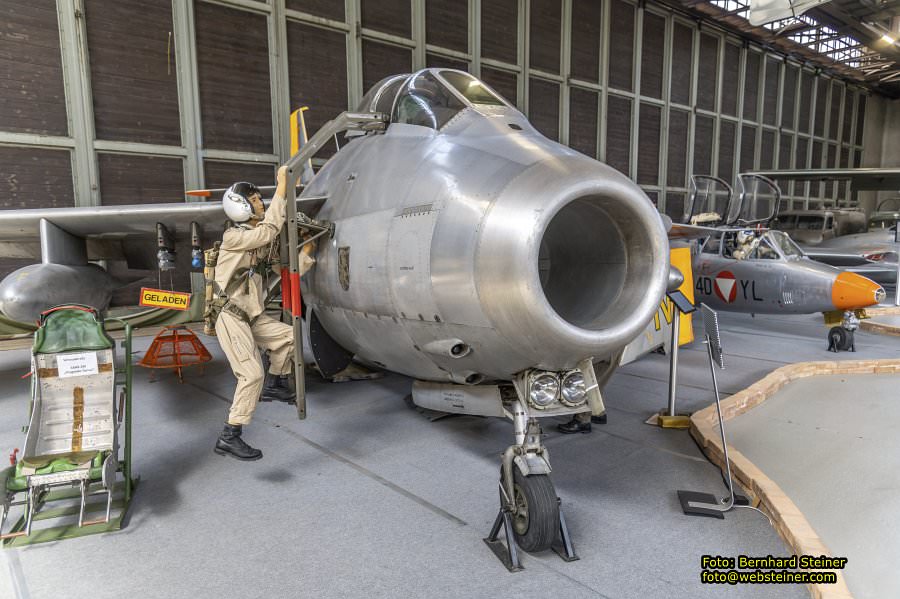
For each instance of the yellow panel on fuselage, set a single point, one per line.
(680, 258)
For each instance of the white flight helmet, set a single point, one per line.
(744, 237)
(236, 202)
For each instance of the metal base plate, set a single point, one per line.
(679, 421)
(688, 497)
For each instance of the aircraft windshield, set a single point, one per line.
(380, 97)
(712, 245)
(810, 223)
(764, 251)
(425, 101)
(708, 200)
(471, 88)
(758, 200)
(785, 244)
(878, 223)
(385, 99)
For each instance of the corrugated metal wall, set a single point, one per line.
(109, 102)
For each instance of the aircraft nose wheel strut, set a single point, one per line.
(530, 511)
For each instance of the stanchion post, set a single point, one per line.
(706, 504)
(897, 286)
(129, 379)
(897, 280)
(667, 418)
(673, 359)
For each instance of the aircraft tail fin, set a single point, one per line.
(299, 138)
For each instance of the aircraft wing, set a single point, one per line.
(861, 179)
(883, 274)
(21, 228)
(880, 272)
(837, 258)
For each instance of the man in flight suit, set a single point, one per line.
(242, 326)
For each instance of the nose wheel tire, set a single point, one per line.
(535, 517)
(840, 339)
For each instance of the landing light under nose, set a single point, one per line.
(568, 388)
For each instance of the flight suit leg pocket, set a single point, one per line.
(241, 351)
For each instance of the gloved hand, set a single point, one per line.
(281, 182)
(306, 260)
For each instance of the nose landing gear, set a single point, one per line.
(840, 338)
(530, 511)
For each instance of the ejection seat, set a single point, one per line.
(72, 442)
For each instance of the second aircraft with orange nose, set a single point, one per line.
(764, 272)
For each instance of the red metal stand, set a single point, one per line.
(175, 347)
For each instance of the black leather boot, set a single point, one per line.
(277, 389)
(574, 426)
(230, 443)
(601, 419)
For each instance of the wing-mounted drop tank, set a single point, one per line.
(64, 276)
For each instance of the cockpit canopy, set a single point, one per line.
(429, 98)
(380, 97)
(753, 245)
(426, 101)
(712, 201)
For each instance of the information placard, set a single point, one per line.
(76, 364)
(172, 300)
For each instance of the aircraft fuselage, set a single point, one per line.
(480, 250)
(800, 286)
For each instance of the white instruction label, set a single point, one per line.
(77, 364)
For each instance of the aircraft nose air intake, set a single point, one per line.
(583, 263)
(851, 291)
(572, 263)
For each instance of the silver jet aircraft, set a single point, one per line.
(469, 252)
(743, 267)
(492, 265)
(775, 278)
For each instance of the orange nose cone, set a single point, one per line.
(851, 291)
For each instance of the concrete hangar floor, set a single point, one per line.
(367, 498)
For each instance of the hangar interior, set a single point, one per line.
(111, 103)
(99, 112)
